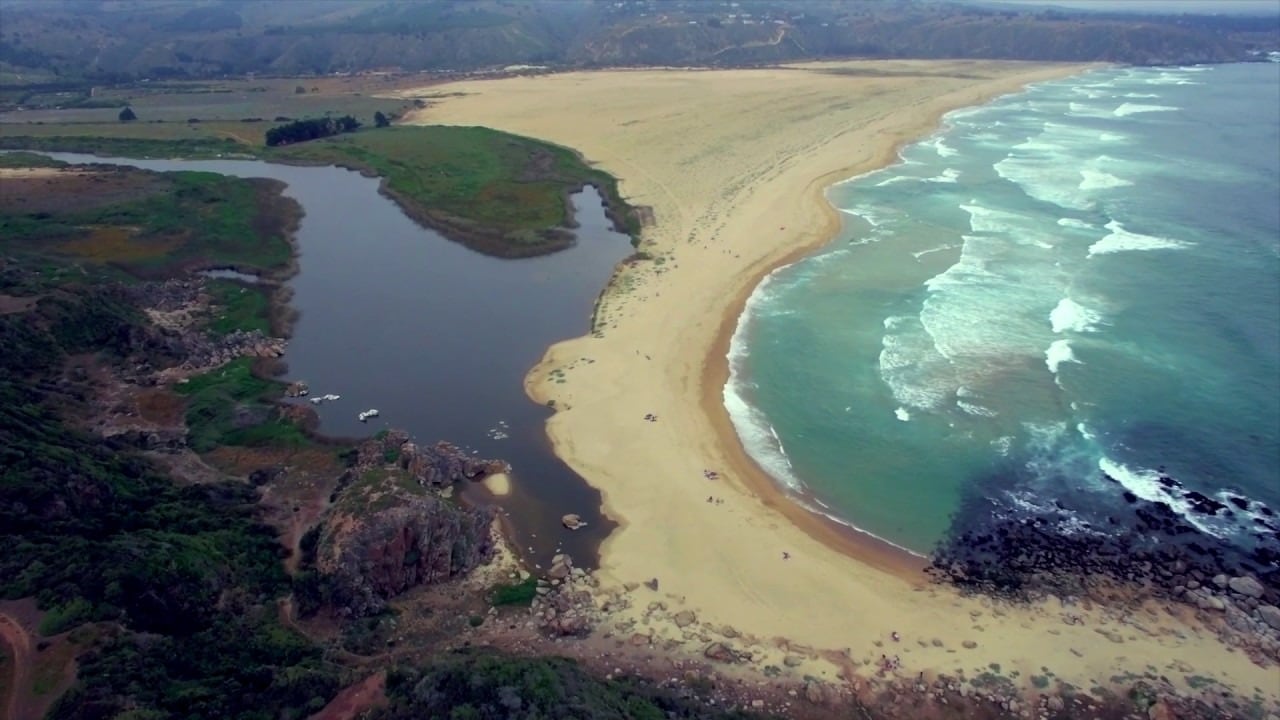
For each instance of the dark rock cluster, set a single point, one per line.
(1150, 550)
(437, 466)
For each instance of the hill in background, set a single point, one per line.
(120, 40)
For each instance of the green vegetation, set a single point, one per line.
(230, 406)
(96, 140)
(486, 686)
(312, 129)
(500, 194)
(239, 306)
(245, 665)
(27, 160)
(521, 593)
(64, 617)
(178, 583)
(178, 220)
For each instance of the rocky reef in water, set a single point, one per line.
(394, 524)
(1143, 549)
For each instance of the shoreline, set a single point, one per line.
(838, 533)
(643, 419)
(847, 539)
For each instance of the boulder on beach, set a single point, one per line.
(572, 521)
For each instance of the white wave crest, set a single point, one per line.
(1071, 315)
(917, 374)
(1059, 351)
(873, 216)
(1074, 223)
(1135, 108)
(940, 248)
(1121, 240)
(976, 409)
(1145, 484)
(902, 414)
(1168, 78)
(1098, 180)
(758, 436)
(941, 147)
(950, 175)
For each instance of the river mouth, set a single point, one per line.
(436, 337)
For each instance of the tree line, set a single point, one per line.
(313, 129)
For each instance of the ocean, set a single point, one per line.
(1068, 297)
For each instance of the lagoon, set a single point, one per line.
(435, 336)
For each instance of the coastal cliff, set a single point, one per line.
(394, 525)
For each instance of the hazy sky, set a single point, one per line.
(1271, 7)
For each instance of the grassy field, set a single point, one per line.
(239, 307)
(231, 406)
(225, 102)
(196, 140)
(500, 194)
(147, 224)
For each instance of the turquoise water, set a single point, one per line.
(1079, 279)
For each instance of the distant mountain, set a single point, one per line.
(48, 40)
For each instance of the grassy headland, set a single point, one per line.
(497, 193)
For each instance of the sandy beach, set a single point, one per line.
(734, 164)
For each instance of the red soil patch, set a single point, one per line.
(356, 699)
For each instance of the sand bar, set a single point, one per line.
(734, 164)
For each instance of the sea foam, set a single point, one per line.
(1135, 108)
(1058, 352)
(1146, 484)
(1098, 180)
(758, 436)
(1070, 315)
(1122, 240)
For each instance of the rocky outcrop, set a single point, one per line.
(437, 466)
(421, 540)
(1148, 551)
(390, 530)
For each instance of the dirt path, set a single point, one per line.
(355, 699)
(19, 644)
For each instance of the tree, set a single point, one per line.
(303, 130)
(381, 120)
(127, 114)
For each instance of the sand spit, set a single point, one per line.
(734, 164)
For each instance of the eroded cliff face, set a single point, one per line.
(394, 525)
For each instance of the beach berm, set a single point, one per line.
(734, 164)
